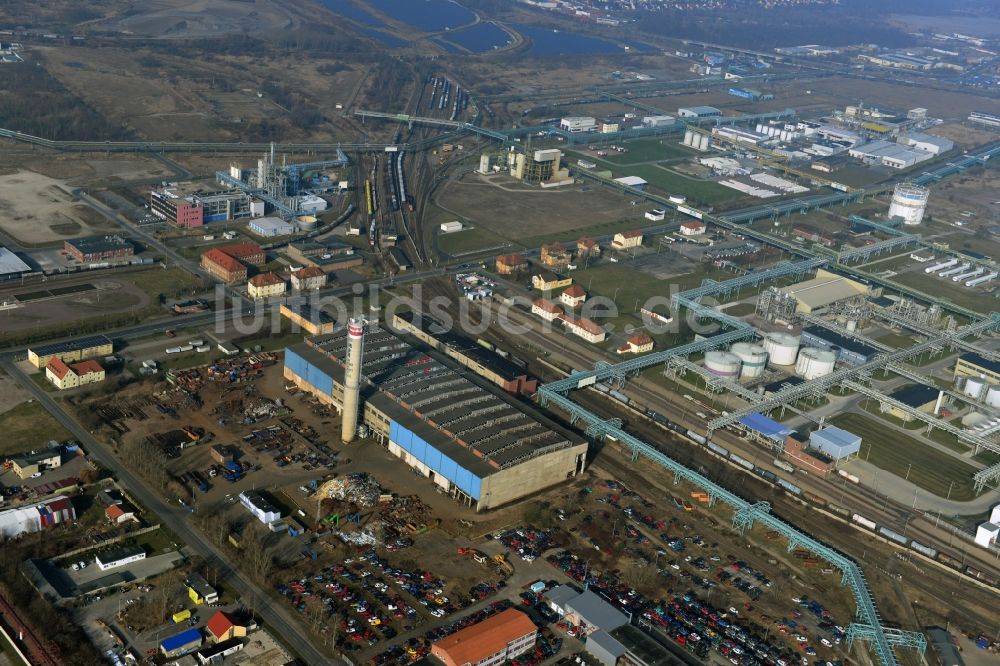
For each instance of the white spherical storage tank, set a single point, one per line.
(754, 358)
(815, 362)
(723, 364)
(782, 348)
(909, 202)
(993, 396)
(974, 387)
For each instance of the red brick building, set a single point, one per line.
(248, 253)
(223, 267)
(98, 248)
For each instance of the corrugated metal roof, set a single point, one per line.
(178, 641)
(766, 426)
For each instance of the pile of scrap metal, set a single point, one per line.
(359, 488)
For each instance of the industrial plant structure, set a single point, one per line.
(470, 441)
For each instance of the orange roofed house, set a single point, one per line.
(637, 344)
(220, 265)
(265, 285)
(65, 376)
(488, 643)
(508, 264)
(248, 253)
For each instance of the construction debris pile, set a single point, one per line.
(363, 538)
(404, 515)
(359, 488)
(249, 409)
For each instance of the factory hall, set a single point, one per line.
(480, 446)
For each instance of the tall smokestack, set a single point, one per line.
(352, 378)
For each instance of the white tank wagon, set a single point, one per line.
(941, 266)
(982, 280)
(953, 271)
(962, 277)
(782, 348)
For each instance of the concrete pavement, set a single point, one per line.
(176, 519)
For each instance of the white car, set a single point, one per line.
(83, 564)
(36, 475)
(76, 567)
(826, 642)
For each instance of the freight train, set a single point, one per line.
(867, 523)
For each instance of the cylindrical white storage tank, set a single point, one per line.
(753, 358)
(688, 138)
(974, 387)
(815, 362)
(993, 396)
(723, 364)
(909, 202)
(677, 198)
(782, 348)
(306, 222)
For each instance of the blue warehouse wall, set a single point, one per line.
(309, 372)
(441, 464)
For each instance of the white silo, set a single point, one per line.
(688, 138)
(815, 362)
(753, 357)
(909, 202)
(782, 348)
(722, 364)
(993, 396)
(484, 163)
(974, 387)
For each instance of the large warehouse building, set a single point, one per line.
(824, 290)
(72, 351)
(472, 442)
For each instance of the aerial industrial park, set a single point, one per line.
(541, 333)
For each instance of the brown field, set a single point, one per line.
(964, 135)
(38, 209)
(512, 211)
(192, 107)
(112, 296)
(838, 91)
(78, 169)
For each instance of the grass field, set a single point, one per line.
(602, 229)
(958, 294)
(468, 241)
(648, 150)
(28, 426)
(888, 449)
(669, 182)
(897, 340)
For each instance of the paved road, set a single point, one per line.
(175, 519)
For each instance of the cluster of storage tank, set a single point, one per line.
(697, 140)
(742, 361)
(981, 390)
(746, 360)
(971, 275)
(809, 362)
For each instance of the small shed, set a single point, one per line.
(835, 442)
